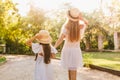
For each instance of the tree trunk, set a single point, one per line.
(87, 45)
(100, 42)
(119, 39)
(116, 44)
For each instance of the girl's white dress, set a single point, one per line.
(71, 55)
(42, 71)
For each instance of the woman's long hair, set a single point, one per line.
(73, 29)
(47, 53)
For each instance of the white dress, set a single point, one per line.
(71, 55)
(42, 71)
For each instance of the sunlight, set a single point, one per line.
(83, 5)
(22, 6)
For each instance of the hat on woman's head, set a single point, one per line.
(73, 14)
(45, 37)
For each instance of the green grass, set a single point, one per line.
(58, 55)
(104, 59)
(109, 60)
(2, 59)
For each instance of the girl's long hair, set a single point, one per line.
(73, 29)
(47, 53)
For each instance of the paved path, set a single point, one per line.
(22, 68)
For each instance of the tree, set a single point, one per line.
(93, 30)
(12, 27)
(36, 18)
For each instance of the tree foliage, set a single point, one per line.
(16, 29)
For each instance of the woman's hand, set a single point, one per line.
(86, 22)
(83, 19)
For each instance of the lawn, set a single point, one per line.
(2, 59)
(109, 60)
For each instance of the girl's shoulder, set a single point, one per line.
(36, 47)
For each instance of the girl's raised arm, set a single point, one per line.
(29, 42)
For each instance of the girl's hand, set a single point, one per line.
(28, 43)
(37, 36)
(53, 55)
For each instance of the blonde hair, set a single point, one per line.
(73, 30)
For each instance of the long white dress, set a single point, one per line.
(71, 55)
(42, 71)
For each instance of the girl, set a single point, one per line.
(72, 31)
(44, 52)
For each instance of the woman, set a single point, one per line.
(72, 32)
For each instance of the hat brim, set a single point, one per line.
(71, 18)
(45, 40)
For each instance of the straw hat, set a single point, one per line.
(45, 37)
(73, 14)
